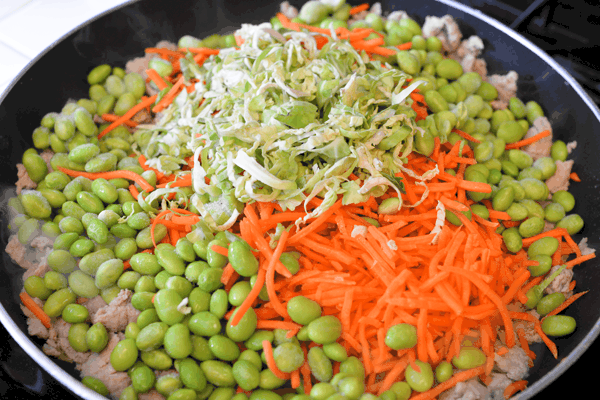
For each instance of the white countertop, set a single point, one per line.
(27, 27)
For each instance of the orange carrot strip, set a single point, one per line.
(134, 192)
(579, 260)
(270, 276)
(527, 141)
(404, 46)
(359, 8)
(267, 324)
(253, 295)
(465, 135)
(35, 309)
(130, 175)
(157, 79)
(170, 96)
(227, 273)
(514, 388)
(129, 114)
(574, 177)
(295, 378)
(268, 350)
(113, 118)
(480, 187)
(202, 50)
(566, 303)
(220, 249)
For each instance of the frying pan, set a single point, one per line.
(122, 33)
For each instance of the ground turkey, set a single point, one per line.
(542, 147)
(116, 315)
(560, 179)
(445, 29)
(471, 389)
(514, 363)
(506, 86)
(23, 181)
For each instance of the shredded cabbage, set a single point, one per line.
(279, 120)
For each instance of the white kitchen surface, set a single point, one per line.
(27, 27)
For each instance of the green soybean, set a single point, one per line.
(419, 381)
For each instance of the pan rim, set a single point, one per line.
(81, 390)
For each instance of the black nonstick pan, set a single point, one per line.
(122, 33)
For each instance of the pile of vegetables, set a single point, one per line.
(330, 205)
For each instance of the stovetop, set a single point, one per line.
(570, 33)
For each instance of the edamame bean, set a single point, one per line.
(76, 337)
(157, 359)
(401, 336)
(92, 261)
(35, 204)
(245, 327)
(564, 198)
(241, 258)
(303, 310)
(36, 287)
(558, 325)
(503, 198)
(238, 293)
(443, 371)
(545, 245)
(61, 261)
(419, 381)
(142, 378)
(82, 284)
(533, 111)
(166, 302)
(152, 336)
(246, 374)
(545, 263)
(268, 380)
(75, 313)
(108, 273)
(96, 337)
(145, 264)
(168, 258)
(319, 364)
(554, 212)
(550, 302)
(469, 357)
(98, 74)
(326, 329)
(559, 151)
(449, 69)
(57, 301)
(531, 227)
(218, 373)
(512, 239)
(573, 223)
(177, 341)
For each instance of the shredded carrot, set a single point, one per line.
(157, 79)
(35, 309)
(528, 141)
(268, 350)
(129, 114)
(514, 387)
(566, 303)
(113, 118)
(220, 249)
(130, 175)
(465, 135)
(574, 177)
(359, 8)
